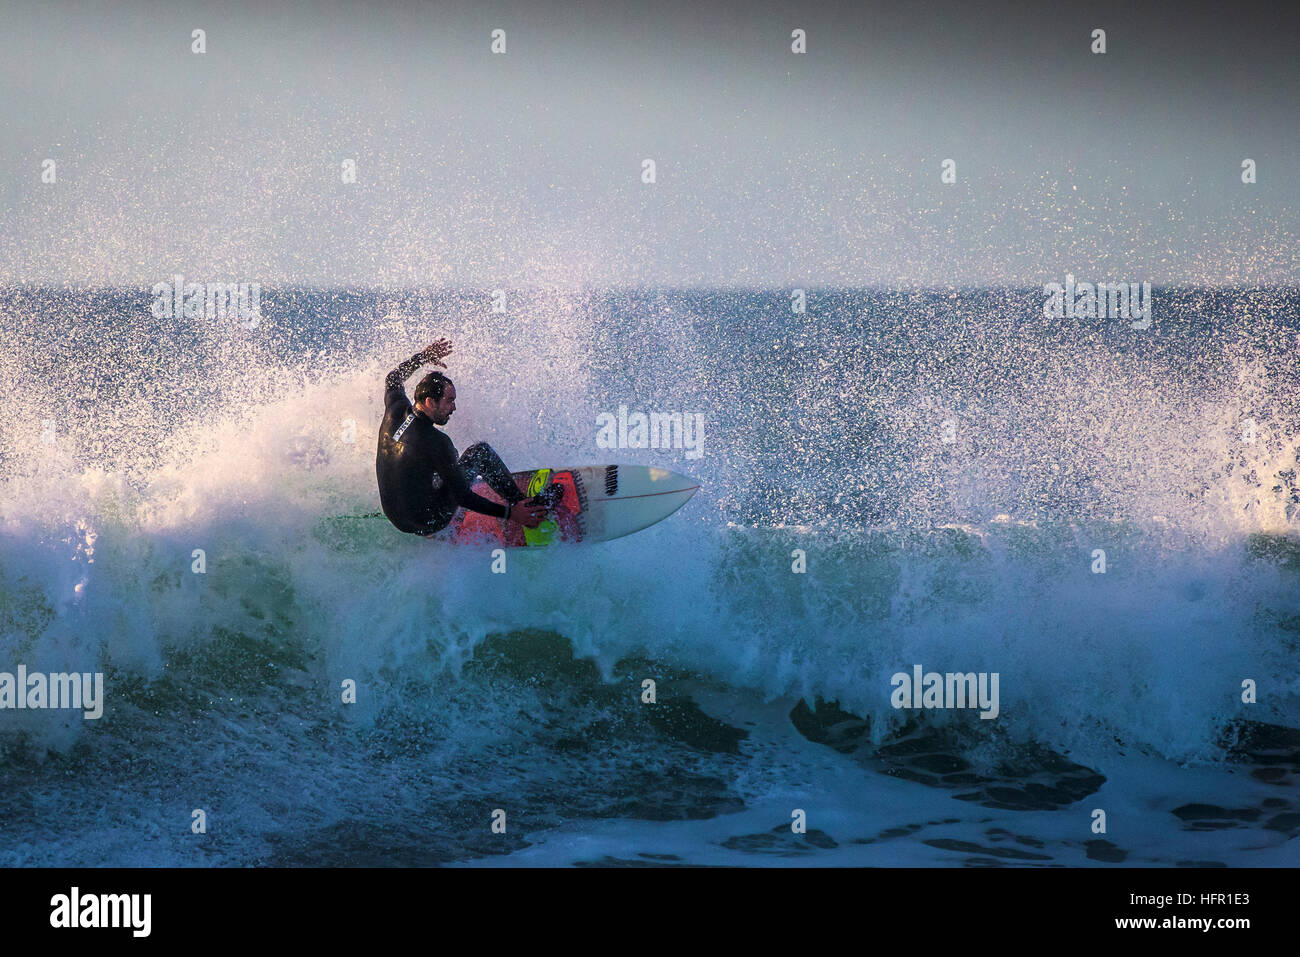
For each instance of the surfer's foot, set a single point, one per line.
(549, 497)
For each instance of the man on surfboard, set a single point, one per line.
(421, 479)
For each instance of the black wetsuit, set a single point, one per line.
(421, 480)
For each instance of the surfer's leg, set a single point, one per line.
(480, 459)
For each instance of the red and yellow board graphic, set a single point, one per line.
(563, 524)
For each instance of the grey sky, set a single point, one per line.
(773, 169)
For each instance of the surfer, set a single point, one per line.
(421, 479)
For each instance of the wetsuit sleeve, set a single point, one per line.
(394, 385)
(453, 478)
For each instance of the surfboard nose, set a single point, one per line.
(669, 481)
(628, 498)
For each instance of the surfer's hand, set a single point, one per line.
(527, 514)
(434, 354)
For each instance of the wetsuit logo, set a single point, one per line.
(401, 429)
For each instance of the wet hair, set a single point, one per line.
(432, 387)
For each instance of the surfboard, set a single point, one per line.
(600, 503)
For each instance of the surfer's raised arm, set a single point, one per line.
(432, 354)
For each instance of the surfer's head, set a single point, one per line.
(435, 396)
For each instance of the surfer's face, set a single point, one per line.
(441, 410)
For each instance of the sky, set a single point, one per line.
(772, 168)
